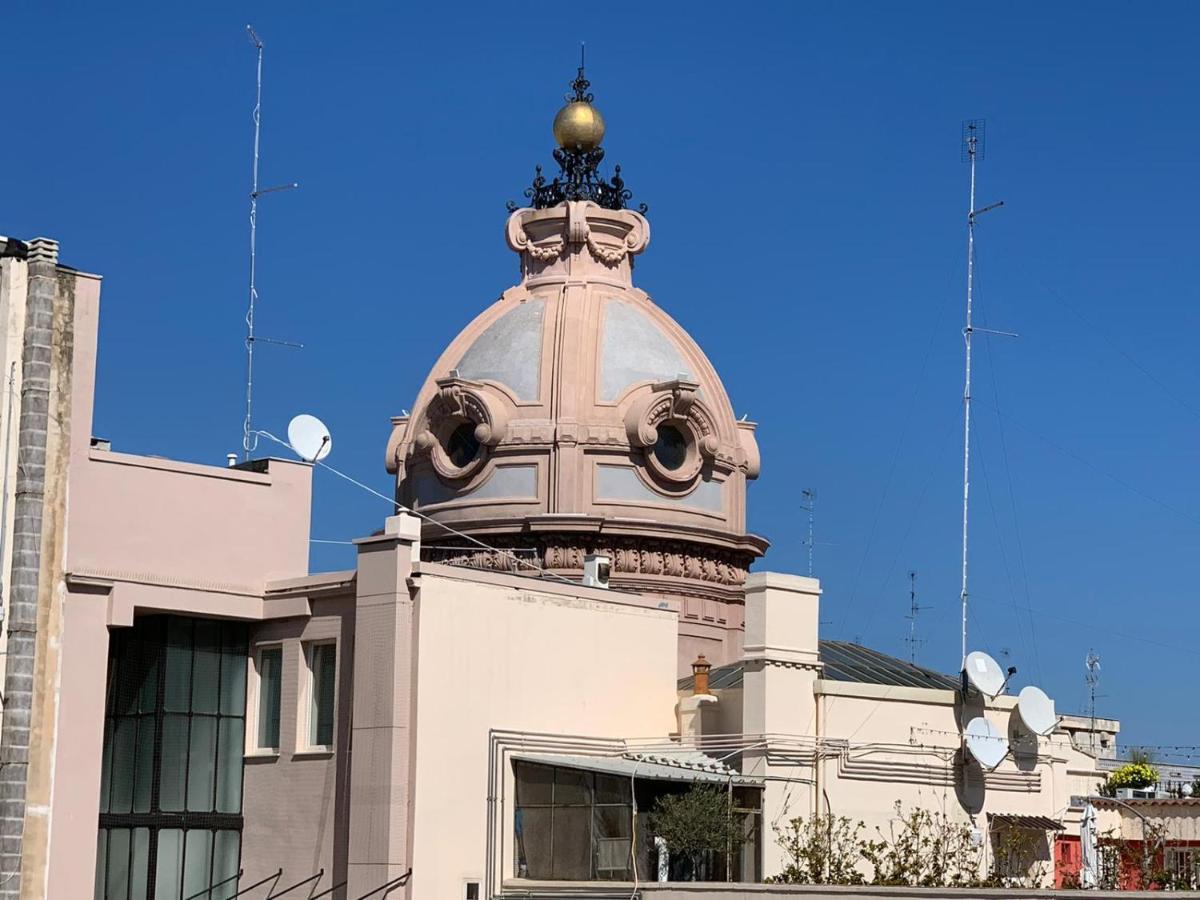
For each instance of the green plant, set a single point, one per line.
(695, 822)
(820, 850)
(924, 849)
(1015, 859)
(1139, 774)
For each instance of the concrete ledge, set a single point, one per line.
(709, 890)
(781, 581)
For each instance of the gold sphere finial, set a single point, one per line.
(579, 126)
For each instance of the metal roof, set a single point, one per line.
(844, 661)
(682, 765)
(1038, 823)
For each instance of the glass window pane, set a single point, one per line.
(233, 683)
(178, 677)
(172, 769)
(144, 775)
(124, 742)
(572, 843)
(169, 868)
(206, 666)
(118, 864)
(533, 843)
(229, 766)
(106, 766)
(535, 785)
(613, 821)
(270, 670)
(138, 875)
(101, 862)
(572, 787)
(148, 666)
(226, 853)
(612, 789)
(202, 764)
(323, 663)
(129, 681)
(197, 861)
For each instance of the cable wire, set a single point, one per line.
(399, 507)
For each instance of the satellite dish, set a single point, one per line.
(309, 438)
(985, 742)
(984, 673)
(1036, 710)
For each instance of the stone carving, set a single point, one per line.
(457, 401)
(716, 573)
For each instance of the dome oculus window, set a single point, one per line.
(462, 446)
(670, 448)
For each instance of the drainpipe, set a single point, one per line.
(27, 558)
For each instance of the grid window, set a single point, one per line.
(171, 778)
(322, 687)
(270, 696)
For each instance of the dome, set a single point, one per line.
(574, 415)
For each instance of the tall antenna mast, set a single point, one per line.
(973, 133)
(913, 609)
(810, 505)
(1093, 679)
(249, 438)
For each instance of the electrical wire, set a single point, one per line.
(402, 508)
(992, 377)
(912, 402)
(1109, 475)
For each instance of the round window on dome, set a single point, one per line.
(462, 446)
(671, 448)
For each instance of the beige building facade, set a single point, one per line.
(458, 716)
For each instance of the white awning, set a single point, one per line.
(689, 766)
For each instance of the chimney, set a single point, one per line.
(700, 669)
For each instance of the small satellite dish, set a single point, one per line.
(1036, 710)
(984, 673)
(985, 742)
(309, 438)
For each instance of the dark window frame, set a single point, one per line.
(137, 667)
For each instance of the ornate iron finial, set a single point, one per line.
(578, 129)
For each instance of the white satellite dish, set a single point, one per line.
(984, 673)
(309, 438)
(1036, 710)
(985, 742)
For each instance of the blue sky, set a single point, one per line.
(801, 162)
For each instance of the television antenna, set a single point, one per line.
(1092, 663)
(913, 609)
(973, 132)
(249, 435)
(810, 506)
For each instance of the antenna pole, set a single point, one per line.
(810, 501)
(248, 441)
(1093, 678)
(971, 138)
(913, 609)
(249, 435)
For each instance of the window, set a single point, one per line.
(462, 445)
(671, 447)
(572, 825)
(171, 776)
(269, 666)
(321, 690)
(576, 825)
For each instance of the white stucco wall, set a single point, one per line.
(506, 653)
